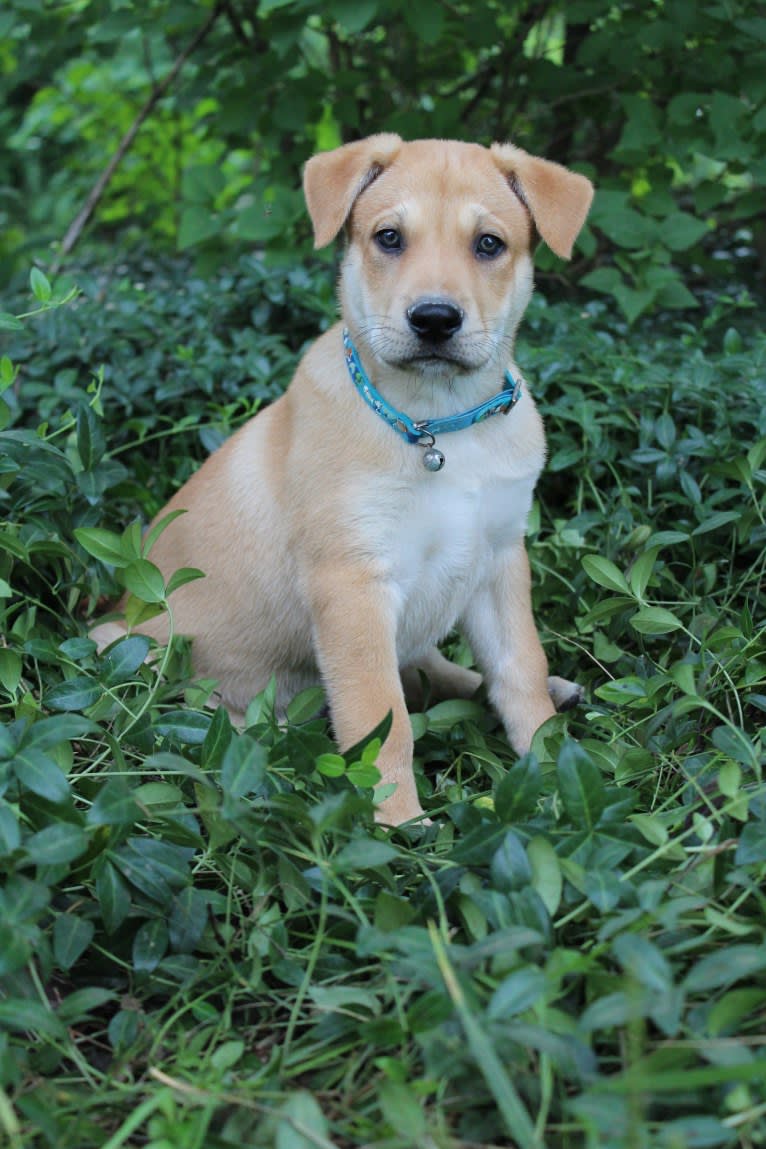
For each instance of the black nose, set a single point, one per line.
(435, 321)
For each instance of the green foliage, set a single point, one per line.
(663, 104)
(204, 938)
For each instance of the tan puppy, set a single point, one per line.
(330, 550)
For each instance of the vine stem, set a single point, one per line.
(158, 91)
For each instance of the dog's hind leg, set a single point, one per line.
(445, 680)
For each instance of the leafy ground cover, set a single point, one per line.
(206, 942)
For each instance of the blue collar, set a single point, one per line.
(428, 429)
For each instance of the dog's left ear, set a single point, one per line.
(558, 200)
(332, 181)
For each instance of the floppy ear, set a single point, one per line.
(332, 181)
(558, 200)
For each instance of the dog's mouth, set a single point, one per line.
(435, 358)
(460, 354)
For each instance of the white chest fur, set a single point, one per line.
(439, 535)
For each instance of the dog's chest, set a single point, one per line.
(438, 541)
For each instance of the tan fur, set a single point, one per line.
(327, 547)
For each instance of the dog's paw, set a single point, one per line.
(565, 694)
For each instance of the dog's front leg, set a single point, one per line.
(355, 640)
(501, 630)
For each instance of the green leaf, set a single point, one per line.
(642, 570)
(621, 223)
(10, 832)
(655, 620)
(365, 775)
(123, 659)
(729, 779)
(716, 520)
(445, 715)
(306, 705)
(509, 868)
(353, 15)
(7, 372)
(751, 847)
(301, 1124)
(680, 230)
(188, 726)
(103, 545)
(55, 844)
(516, 794)
(674, 295)
(181, 577)
(197, 224)
(651, 828)
(156, 530)
(546, 872)
(10, 322)
(227, 1055)
(41, 774)
(74, 693)
(123, 1029)
(615, 1009)
(114, 805)
(145, 581)
(41, 288)
(15, 947)
(605, 573)
(113, 896)
(187, 920)
(10, 669)
(606, 279)
(331, 765)
(202, 183)
(581, 786)
(218, 737)
(83, 1002)
(364, 854)
(243, 768)
(90, 437)
(732, 1008)
(644, 961)
(401, 1108)
(144, 875)
(50, 732)
(20, 1015)
(517, 993)
(71, 937)
(78, 1005)
(392, 912)
(633, 302)
(426, 18)
(150, 945)
(604, 889)
(724, 966)
(10, 739)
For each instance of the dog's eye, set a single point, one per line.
(389, 239)
(489, 246)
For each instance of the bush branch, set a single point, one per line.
(158, 91)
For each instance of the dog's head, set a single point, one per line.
(438, 270)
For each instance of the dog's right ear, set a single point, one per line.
(332, 181)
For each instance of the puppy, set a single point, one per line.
(383, 499)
